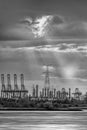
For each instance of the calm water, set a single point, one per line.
(43, 120)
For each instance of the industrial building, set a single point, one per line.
(52, 94)
(48, 92)
(77, 94)
(7, 91)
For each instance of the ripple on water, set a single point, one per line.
(42, 127)
(43, 121)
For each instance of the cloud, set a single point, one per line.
(55, 26)
(67, 29)
(45, 27)
(40, 25)
(67, 66)
(39, 28)
(39, 45)
(18, 32)
(27, 20)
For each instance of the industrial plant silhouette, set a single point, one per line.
(46, 93)
(8, 92)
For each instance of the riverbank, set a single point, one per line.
(41, 109)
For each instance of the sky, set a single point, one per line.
(39, 33)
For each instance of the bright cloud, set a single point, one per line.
(69, 71)
(39, 27)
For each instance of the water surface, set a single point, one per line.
(43, 120)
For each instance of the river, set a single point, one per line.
(50, 120)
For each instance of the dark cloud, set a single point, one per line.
(11, 12)
(69, 30)
(57, 19)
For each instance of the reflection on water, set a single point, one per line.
(42, 127)
(43, 120)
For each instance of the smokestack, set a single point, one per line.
(33, 93)
(69, 93)
(22, 82)
(2, 82)
(36, 91)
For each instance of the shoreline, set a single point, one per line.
(42, 109)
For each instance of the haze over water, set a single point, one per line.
(43, 120)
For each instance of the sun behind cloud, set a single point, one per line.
(70, 72)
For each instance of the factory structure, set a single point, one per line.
(52, 93)
(9, 92)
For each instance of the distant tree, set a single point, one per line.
(40, 105)
(48, 105)
(57, 105)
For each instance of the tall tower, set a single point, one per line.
(15, 82)
(47, 82)
(22, 82)
(33, 92)
(3, 82)
(58, 95)
(36, 91)
(8, 82)
(69, 93)
(54, 93)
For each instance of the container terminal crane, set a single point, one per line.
(8, 92)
